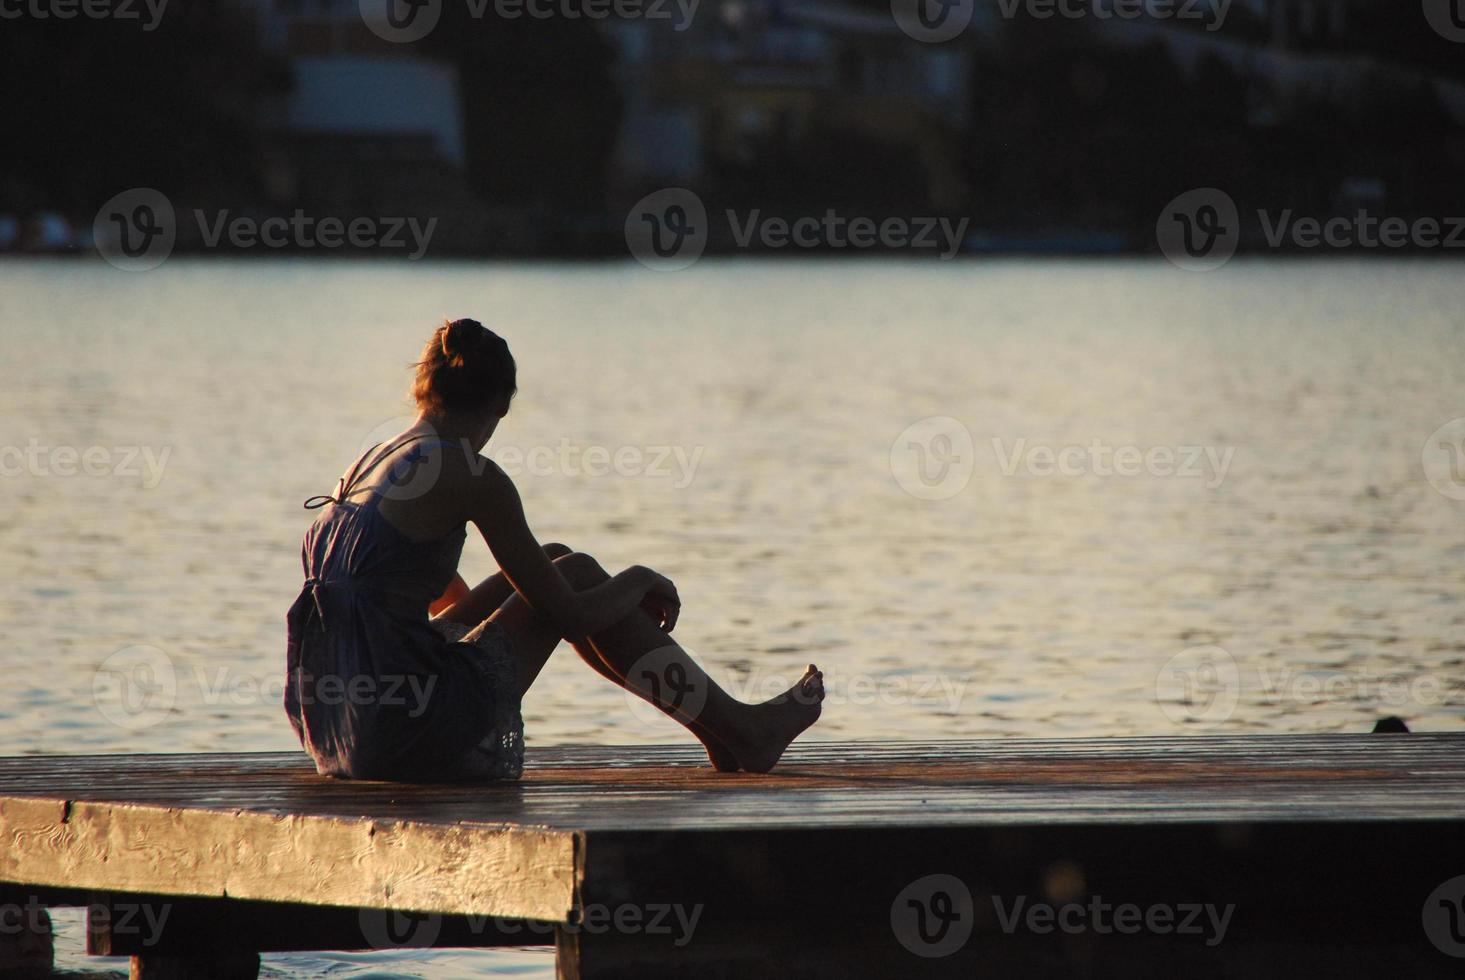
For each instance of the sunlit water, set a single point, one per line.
(756, 424)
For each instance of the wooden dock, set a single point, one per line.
(1334, 854)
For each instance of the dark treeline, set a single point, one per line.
(1103, 137)
(1066, 132)
(95, 106)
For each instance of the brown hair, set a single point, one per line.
(466, 368)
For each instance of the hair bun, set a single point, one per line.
(458, 338)
(465, 367)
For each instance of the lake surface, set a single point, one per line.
(989, 499)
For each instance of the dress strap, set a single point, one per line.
(347, 483)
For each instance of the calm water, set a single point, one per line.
(756, 432)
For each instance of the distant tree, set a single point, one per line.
(95, 106)
(540, 103)
(1401, 34)
(1068, 131)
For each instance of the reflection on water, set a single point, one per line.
(989, 499)
(69, 927)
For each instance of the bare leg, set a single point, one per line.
(646, 661)
(534, 640)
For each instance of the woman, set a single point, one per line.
(396, 670)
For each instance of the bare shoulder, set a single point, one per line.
(479, 483)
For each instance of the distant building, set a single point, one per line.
(746, 85)
(366, 124)
(1308, 22)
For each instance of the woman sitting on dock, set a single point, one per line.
(396, 670)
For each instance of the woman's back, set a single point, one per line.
(354, 541)
(372, 688)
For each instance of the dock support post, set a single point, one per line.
(26, 946)
(172, 938)
(566, 955)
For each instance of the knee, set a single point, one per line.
(580, 569)
(556, 550)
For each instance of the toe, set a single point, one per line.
(813, 686)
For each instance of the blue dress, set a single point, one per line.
(374, 688)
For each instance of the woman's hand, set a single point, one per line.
(492, 502)
(456, 590)
(661, 600)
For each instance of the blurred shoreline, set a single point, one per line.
(66, 240)
(542, 140)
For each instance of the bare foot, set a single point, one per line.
(720, 755)
(779, 721)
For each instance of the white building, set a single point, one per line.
(356, 101)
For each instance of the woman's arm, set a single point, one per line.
(493, 504)
(456, 590)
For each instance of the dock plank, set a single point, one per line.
(630, 788)
(1308, 837)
